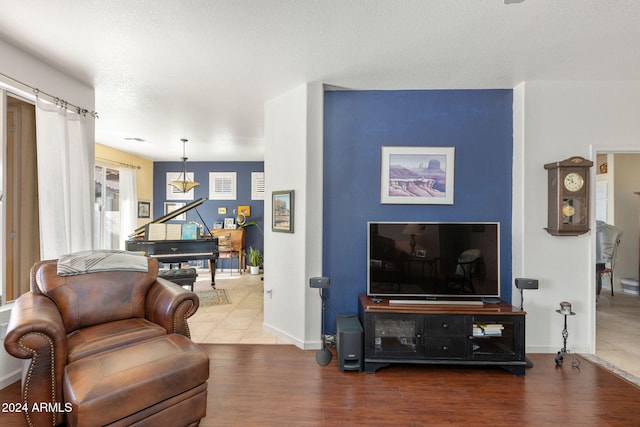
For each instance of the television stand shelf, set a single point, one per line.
(455, 334)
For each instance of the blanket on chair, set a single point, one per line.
(93, 261)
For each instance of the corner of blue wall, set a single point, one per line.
(357, 124)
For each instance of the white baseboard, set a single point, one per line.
(304, 345)
(10, 378)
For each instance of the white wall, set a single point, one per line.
(293, 161)
(554, 121)
(20, 66)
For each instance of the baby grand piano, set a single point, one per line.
(176, 251)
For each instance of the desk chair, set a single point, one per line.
(607, 241)
(227, 250)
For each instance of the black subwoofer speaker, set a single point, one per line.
(349, 342)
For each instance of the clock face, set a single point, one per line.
(573, 181)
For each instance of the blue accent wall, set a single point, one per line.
(478, 123)
(209, 209)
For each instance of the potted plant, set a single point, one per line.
(250, 223)
(255, 260)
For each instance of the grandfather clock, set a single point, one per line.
(568, 195)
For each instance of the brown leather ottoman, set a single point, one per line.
(163, 379)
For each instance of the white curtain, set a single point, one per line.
(128, 204)
(65, 180)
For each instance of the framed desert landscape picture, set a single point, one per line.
(282, 214)
(417, 175)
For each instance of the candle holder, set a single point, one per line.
(565, 310)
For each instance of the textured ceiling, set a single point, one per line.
(203, 69)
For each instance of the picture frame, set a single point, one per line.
(172, 206)
(230, 223)
(223, 185)
(417, 175)
(172, 192)
(144, 209)
(282, 211)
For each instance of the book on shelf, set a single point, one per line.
(488, 329)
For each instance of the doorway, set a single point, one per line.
(618, 314)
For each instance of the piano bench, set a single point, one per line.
(180, 276)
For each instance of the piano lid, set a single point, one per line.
(140, 230)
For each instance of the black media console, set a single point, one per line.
(449, 333)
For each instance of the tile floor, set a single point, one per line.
(618, 330)
(237, 323)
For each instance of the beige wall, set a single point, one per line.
(144, 175)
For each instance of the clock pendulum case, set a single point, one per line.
(568, 192)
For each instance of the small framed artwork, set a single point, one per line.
(172, 206)
(417, 175)
(222, 211)
(223, 185)
(282, 214)
(144, 209)
(230, 223)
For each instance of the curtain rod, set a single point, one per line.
(119, 163)
(58, 101)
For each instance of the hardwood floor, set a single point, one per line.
(276, 385)
(281, 385)
(617, 332)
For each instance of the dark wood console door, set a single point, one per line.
(393, 336)
(504, 342)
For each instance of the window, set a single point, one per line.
(107, 207)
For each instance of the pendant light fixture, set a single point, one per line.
(183, 185)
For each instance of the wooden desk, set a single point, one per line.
(238, 244)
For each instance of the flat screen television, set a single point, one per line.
(428, 260)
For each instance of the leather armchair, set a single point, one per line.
(67, 318)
